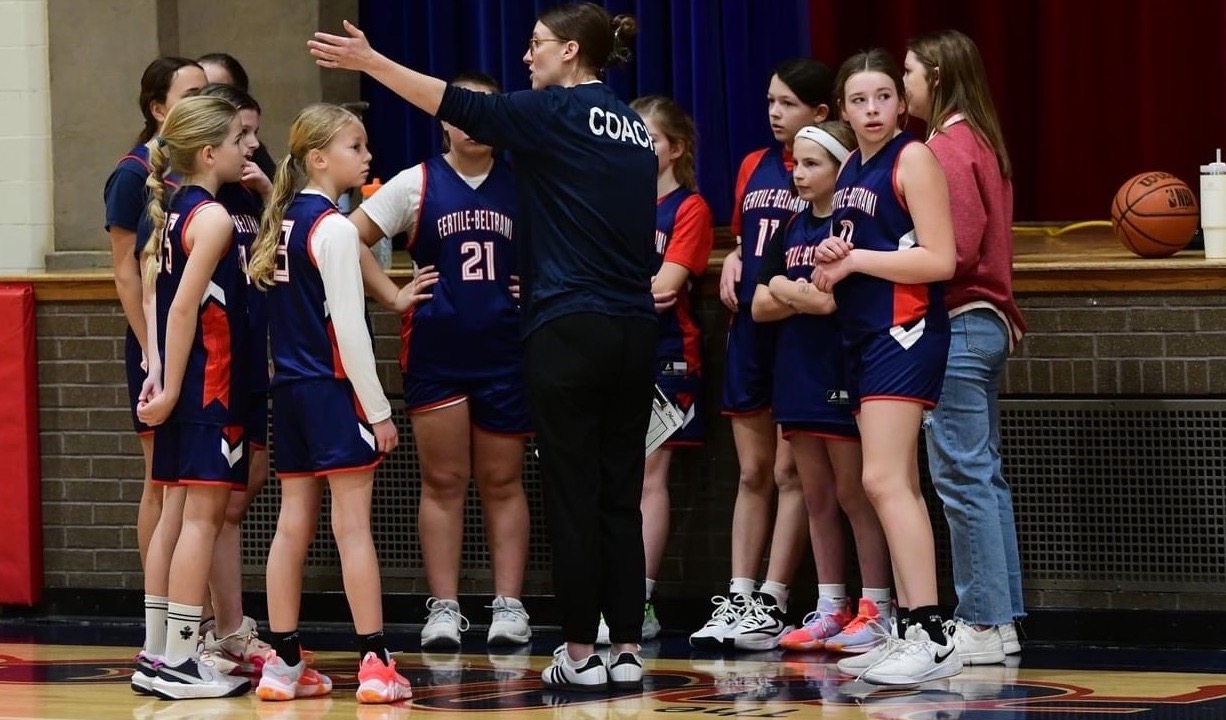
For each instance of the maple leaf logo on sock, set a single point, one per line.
(186, 633)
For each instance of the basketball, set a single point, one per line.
(1155, 214)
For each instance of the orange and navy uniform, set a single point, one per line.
(684, 236)
(246, 207)
(764, 202)
(896, 335)
(203, 441)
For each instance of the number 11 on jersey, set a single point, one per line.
(766, 228)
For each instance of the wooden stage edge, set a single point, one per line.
(1084, 261)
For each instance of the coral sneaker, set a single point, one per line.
(862, 633)
(379, 683)
(823, 623)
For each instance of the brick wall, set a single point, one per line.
(1105, 345)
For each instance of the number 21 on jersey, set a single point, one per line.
(478, 260)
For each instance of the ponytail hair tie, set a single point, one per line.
(161, 141)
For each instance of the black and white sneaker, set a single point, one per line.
(626, 672)
(142, 675)
(761, 627)
(192, 679)
(587, 675)
(727, 613)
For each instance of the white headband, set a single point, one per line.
(825, 139)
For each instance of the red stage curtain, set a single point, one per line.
(1090, 92)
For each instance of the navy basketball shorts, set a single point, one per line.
(319, 429)
(256, 425)
(496, 404)
(828, 431)
(685, 392)
(199, 454)
(899, 364)
(136, 375)
(749, 365)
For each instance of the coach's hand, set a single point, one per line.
(386, 437)
(728, 279)
(346, 53)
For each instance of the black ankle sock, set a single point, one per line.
(374, 643)
(287, 646)
(929, 618)
(902, 617)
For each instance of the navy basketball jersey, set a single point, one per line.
(680, 335)
(302, 340)
(127, 199)
(764, 202)
(809, 369)
(870, 213)
(246, 207)
(470, 326)
(214, 380)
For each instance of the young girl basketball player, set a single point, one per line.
(330, 415)
(463, 374)
(684, 236)
(947, 88)
(895, 244)
(799, 95)
(231, 640)
(195, 395)
(810, 405)
(164, 82)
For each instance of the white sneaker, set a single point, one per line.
(626, 672)
(509, 625)
(587, 675)
(975, 647)
(651, 624)
(761, 627)
(602, 632)
(1008, 639)
(857, 664)
(242, 652)
(193, 679)
(915, 660)
(728, 612)
(444, 623)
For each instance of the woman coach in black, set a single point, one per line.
(586, 183)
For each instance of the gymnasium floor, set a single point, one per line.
(44, 674)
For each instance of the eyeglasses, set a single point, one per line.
(534, 44)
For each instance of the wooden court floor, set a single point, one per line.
(51, 681)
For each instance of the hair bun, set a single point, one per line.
(624, 28)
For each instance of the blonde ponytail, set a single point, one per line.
(288, 181)
(313, 129)
(156, 185)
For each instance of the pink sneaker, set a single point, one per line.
(379, 683)
(819, 625)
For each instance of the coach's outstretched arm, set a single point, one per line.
(355, 53)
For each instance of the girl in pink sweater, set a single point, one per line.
(947, 88)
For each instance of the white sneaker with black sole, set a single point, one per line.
(509, 623)
(727, 613)
(915, 660)
(192, 679)
(444, 623)
(626, 672)
(587, 675)
(761, 627)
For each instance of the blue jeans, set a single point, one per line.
(963, 435)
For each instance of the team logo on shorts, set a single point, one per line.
(838, 397)
(232, 444)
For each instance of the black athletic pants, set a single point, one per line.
(590, 381)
